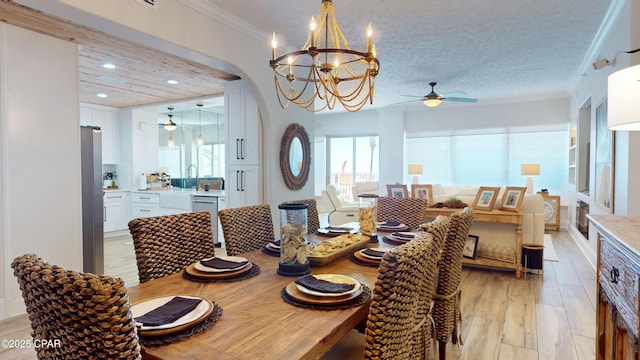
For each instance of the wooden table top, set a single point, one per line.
(256, 323)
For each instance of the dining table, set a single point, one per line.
(256, 323)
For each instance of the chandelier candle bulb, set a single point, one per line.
(312, 27)
(274, 46)
(369, 33)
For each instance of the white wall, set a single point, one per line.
(592, 84)
(41, 192)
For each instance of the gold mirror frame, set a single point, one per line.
(292, 132)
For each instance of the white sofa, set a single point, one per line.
(494, 235)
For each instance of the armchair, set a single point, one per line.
(343, 212)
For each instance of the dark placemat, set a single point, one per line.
(255, 270)
(181, 335)
(270, 252)
(393, 241)
(360, 262)
(360, 300)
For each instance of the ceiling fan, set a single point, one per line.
(169, 125)
(434, 99)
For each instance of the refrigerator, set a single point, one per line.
(92, 200)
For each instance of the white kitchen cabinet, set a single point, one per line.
(116, 210)
(107, 119)
(243, 147)
(243, 186)
(243, 126)
(145, 204)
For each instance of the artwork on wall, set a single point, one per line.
(604, 159)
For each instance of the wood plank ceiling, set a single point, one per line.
(141, 74)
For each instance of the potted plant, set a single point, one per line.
(454, 202)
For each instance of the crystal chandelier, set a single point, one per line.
(326, 69)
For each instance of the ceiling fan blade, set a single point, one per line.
(459, 99)
(405, 102)
(458, 92)
(415, 96)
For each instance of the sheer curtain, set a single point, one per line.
(491, 159)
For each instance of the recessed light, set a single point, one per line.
(108, 66)
(172, 82)
(102, 95)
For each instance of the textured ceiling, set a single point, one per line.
(490, 49)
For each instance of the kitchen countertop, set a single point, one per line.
(188, 192)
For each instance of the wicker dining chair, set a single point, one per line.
(246, 228)
(165, 245)
(409, 211)
(85, 316)
(396, 329)
(313, 220)
(446, 310)
(436, 230)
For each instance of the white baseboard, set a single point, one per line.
(587, 252)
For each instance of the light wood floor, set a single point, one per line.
(543, 317)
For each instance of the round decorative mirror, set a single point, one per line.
(295, 156)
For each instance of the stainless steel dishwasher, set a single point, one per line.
(210, 204)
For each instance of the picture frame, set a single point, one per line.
(422, 191)
(486, 198)
(397, 190)
(470, 246)
(512, 198)
(604, 160)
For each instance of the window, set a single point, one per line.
(491, 159)
(211, 160)
(352, 159)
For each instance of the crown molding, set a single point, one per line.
(216, 13)
(596, 44)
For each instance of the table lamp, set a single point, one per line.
(415, 170)
(529, 170)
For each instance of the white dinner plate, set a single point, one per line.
(198, 266)
(382, 225)
(372, 257)
(151, 304)
(336, 278)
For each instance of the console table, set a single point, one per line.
(618, 307)
(494, 216)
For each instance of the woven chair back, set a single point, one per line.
(86, 316)
(313, 220)
(395, 329)
(446, 307)
(409, 211)
(246, 228)
(438, 229)
(165, 245)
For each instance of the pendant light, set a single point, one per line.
(200, 140)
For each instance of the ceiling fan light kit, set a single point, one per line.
(326, 70)
(432, 102)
